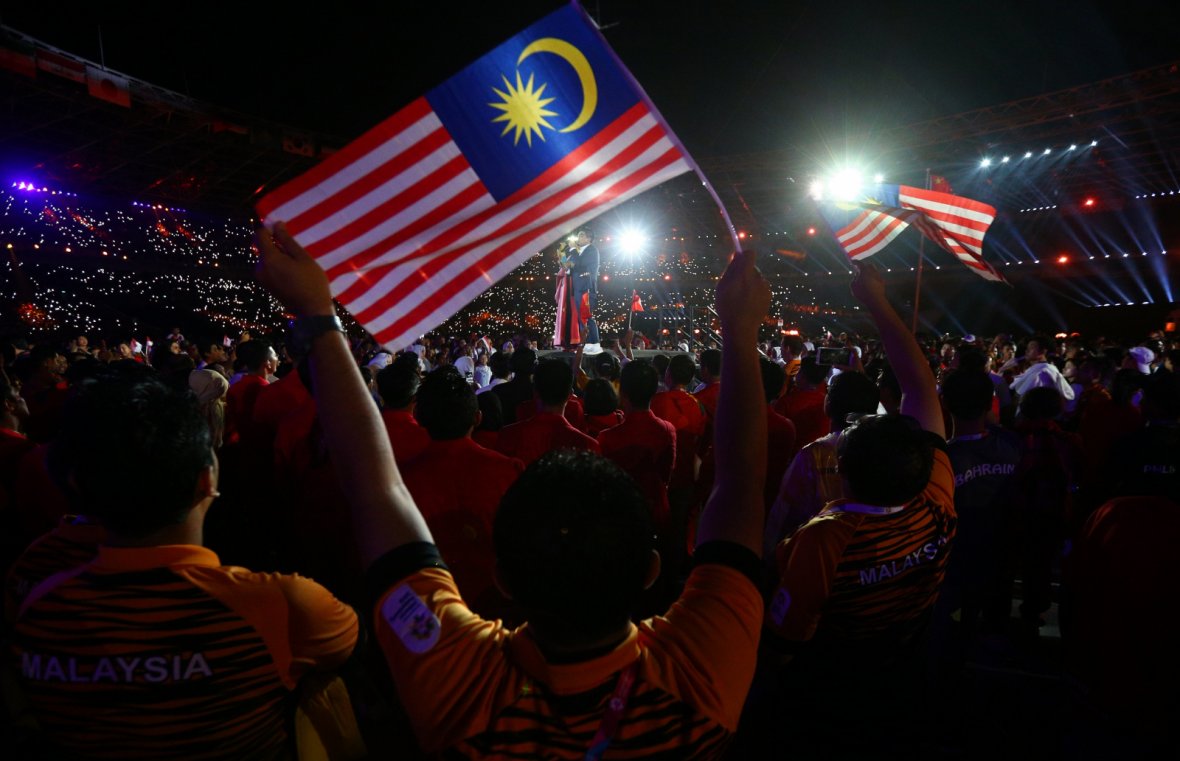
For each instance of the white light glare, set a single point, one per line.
(817, 189)
(632, 241)
(1047, 152)
(1073, 147)
(1005, 160)
(845, 185)
(1028, 154)
(985, 163)
(1093, 143)
(878, 178)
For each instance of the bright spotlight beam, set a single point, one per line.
(631, 242)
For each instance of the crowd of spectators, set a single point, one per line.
(691, 552)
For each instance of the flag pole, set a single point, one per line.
(918, 283)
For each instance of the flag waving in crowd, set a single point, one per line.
(428, 209)
(865, 226)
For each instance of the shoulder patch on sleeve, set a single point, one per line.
(779, 606)
(411, 620)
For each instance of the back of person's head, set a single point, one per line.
(773, 378)
(812, 372)
(491, 412)
(681, 369)
(1044, 345)
(660, 362)
(792, 343)
(500, 365)
(711, 362)
(639, 382)
(398, 383)
(1042, 403)
(968, 393)
(447, 407)
(576, 565)
(1127, 381)
(600, 397)
(524, 361)
(972, 359)
(606, 366)
(252, 355)
(121, 427)
(850, 393)
(553, 379)
(885, 459)
(1161, 396)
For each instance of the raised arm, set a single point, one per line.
(384, 515)
(919, 396)
(734, 511)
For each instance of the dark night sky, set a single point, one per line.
(731, 77)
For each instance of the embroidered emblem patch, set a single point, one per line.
(413, 623)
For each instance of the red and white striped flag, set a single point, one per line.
(431, 207)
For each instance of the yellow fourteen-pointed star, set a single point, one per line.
(524, 110)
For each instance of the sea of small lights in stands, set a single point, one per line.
(35, 216)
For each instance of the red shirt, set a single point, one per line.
(458, 485)
(275, 401)
(543, 432)
(806, 410)
(573, 411)
(707, 396)
(645, 447)
(596, 424)
(239, 405)
(408, 438)
(780, 450)
(683, 411)
(13, 447)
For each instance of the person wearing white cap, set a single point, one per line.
(1140, 358)
(1040, 371)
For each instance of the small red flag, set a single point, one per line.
(636, 302)
(939, 184)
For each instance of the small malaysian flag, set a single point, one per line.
(431, 207)
(956, 224)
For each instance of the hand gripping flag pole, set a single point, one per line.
(425, 211)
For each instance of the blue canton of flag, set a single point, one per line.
(424, 212)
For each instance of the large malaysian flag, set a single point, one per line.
(867, 225)
(431, 207)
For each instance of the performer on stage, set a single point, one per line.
(585, 287)
(565, 331)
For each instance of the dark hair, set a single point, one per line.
(968, 394)
(600, 397)
(851, 393)
(119, 426)
(499, 365)
(660, 362)
(398, 383)
(972, 359)
(606, 365)
(585, 229)
(553, 379)
(1127, 380)
(524, 362)
(639, 383)
(446, 407)
(491, 412)
(681, 369)
(1043, 403)
(813, 372)
(577, 564)
(794, 343)
(773, 378)
(886, 459)
(253, 354)
(1161, 393)
(711, 361)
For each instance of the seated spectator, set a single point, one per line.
(167, 626)
(602, 406)
(857, 583)
(520, 388)
(813, 479)
(457, 485)
(398, 387)
(548, 429)
(491, 420)
(574, 548)
(644, 446)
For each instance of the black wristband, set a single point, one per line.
(305, 330)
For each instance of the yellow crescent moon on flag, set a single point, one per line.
(574, 58)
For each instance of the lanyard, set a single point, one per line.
(855, 507)
(614, 714)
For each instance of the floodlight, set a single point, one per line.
(845, 185)
(631, 241)
(1005, 160)
(985, 163)
(1028, 154)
